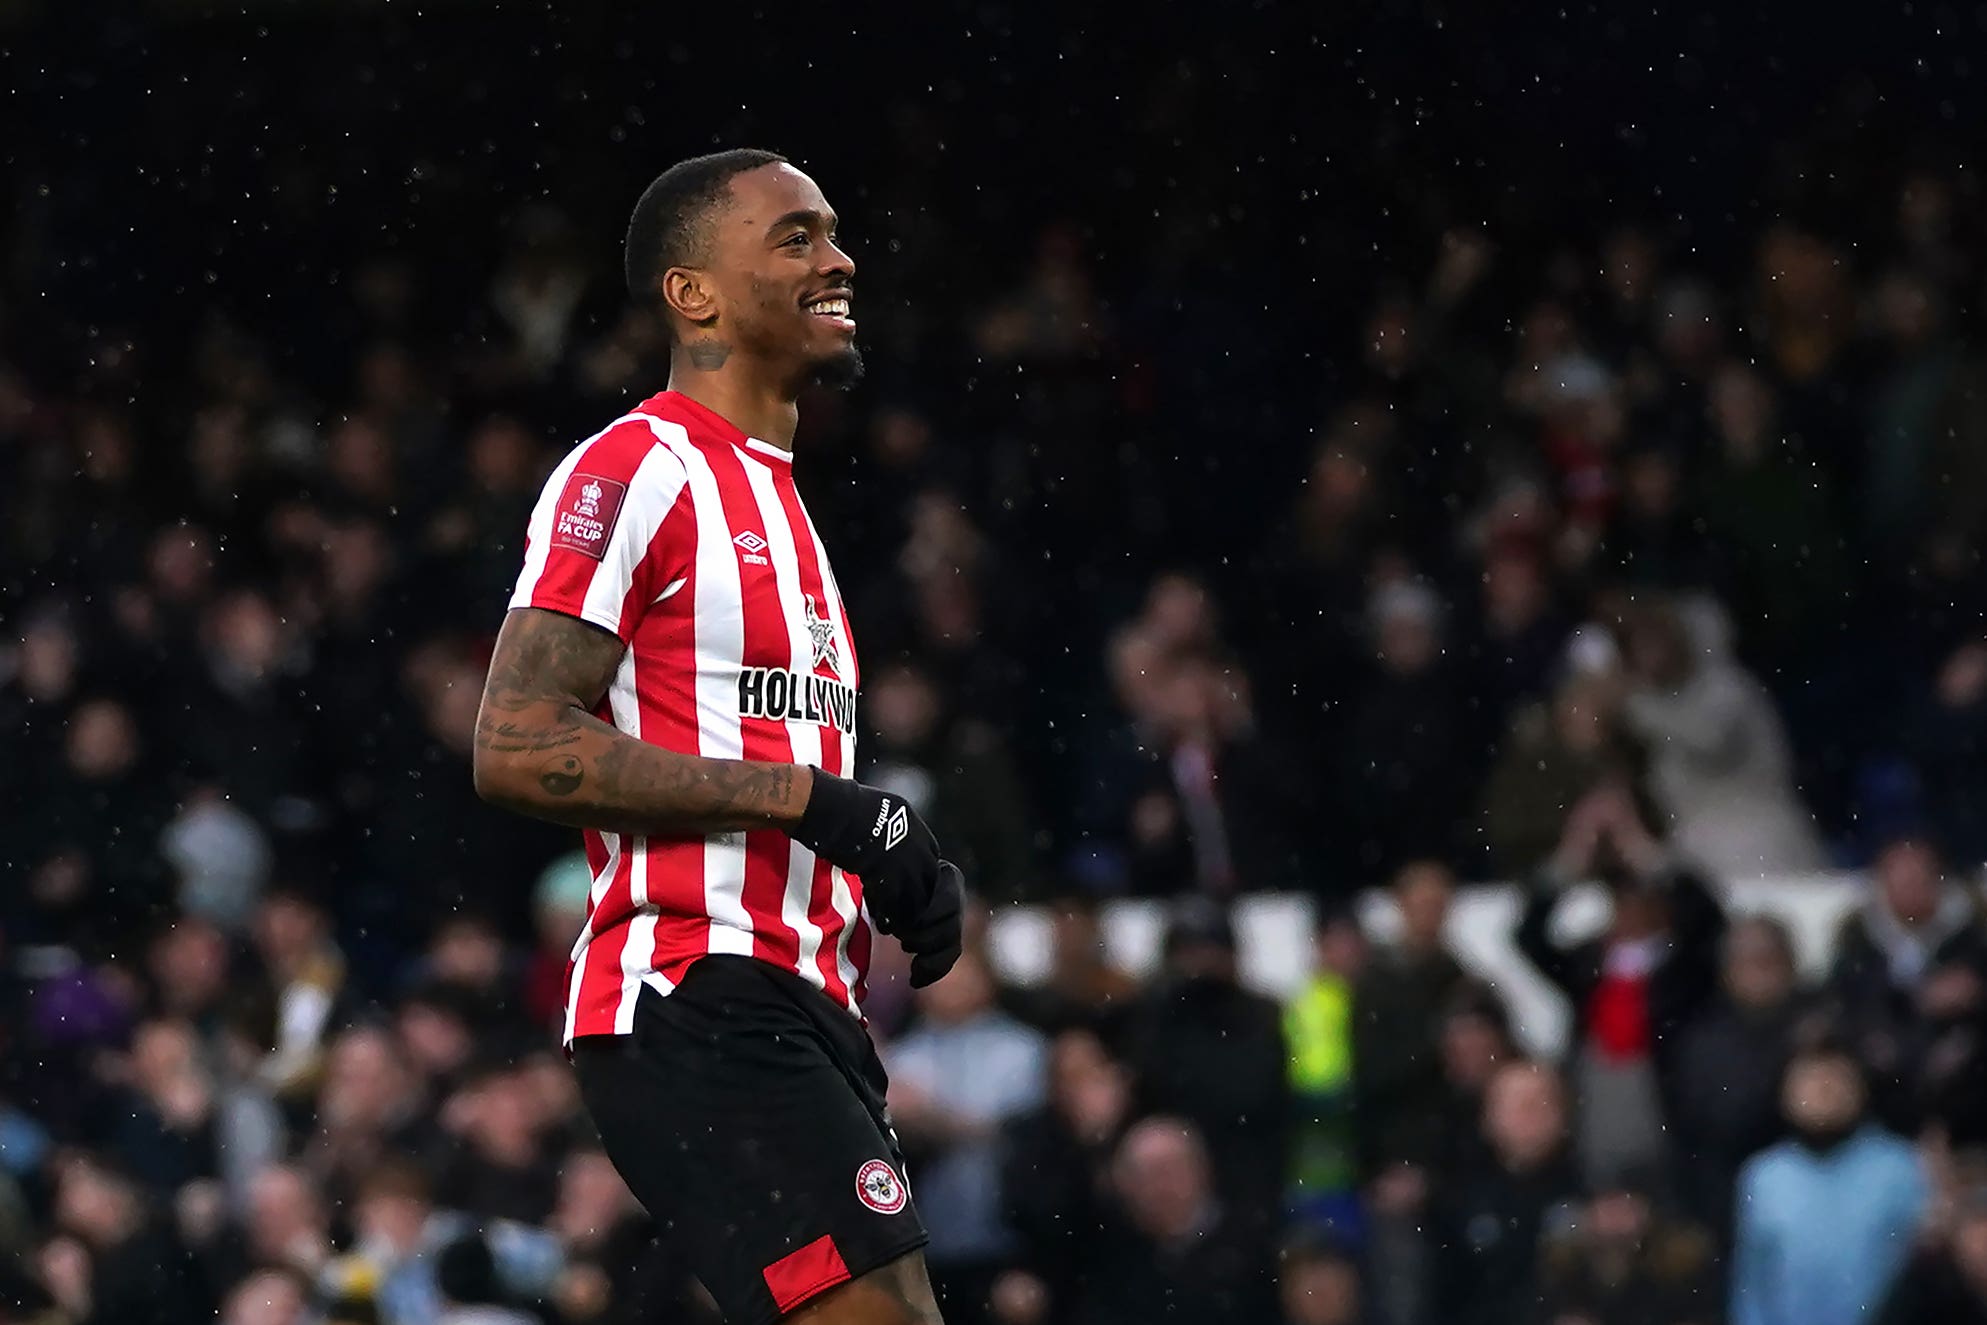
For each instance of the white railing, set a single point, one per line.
(1273, 937)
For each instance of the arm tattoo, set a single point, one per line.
(541, 751)
(562, 776)
(509, 738)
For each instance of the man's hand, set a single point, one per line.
(876, 836)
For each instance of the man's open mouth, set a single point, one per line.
(834, 308)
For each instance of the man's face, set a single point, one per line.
(1524, 1115)
(1822, 1094)
(1423, 891)
(1756, 972)
(1908, 875)
(782, 286)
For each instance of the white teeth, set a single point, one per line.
(832, 308)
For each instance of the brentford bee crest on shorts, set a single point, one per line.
(879, 1188)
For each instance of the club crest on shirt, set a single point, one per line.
(878, 1187)
(822, 631)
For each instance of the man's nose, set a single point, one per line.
(838, 263)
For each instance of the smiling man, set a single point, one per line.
(676, 678)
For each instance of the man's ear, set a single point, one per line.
(688, 293)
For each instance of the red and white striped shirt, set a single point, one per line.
(688, 540)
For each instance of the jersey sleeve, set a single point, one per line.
(602, 543)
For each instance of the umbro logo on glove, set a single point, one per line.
(911, 893)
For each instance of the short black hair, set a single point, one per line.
(668, 228)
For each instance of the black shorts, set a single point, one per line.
(745, 1110)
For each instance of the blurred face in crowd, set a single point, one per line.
(163, 1051)
(966, 991)
(1741, 411)
(1649, 485)
(1909, 881)
(1822, 1098)
(1907, 309)
(903, 708)
(435, 1039)
(1618, 1222)
(392, 1210)
(1524, 1115)
(357, 557)
(1087, 1086)
(1076, 942)
(1759, 966)
(1804, 273)
(366, 1083)
(189, 965)
(288, 929)
(1638, 911)
(1472, 1046)
(1687, 328)
(551, 1088)
(1514, 590)
(105, 443)
(103, 741)
(95, 1204)
(452, 703)
(48, 660)
(501, 1118)
(500, 456)
(1341, 484)
(1619, 1216)
(948, 611)
(360, 458)
(1405, 633)
(267, 1297)
(899, 436)
(756, 279)
(1342, 947)
(1320, 1290)
(1178, 613)
(245, 634)
(1579, 716)
(1423, 891)
(467, 952)
(285, 1216)
(1162, 1176)
(1969, 1240)
(181, 562)
(388, 379)
(592, 1198)
(219, 447)
(1657, 648)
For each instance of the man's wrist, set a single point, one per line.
(799, 793)
(825, 803)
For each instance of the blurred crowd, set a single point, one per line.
(1591, 556)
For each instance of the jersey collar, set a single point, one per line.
(724, 427)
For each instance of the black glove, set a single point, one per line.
(934, 938)
(911, 893)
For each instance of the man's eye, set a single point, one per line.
(800, 239)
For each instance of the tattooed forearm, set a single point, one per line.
(540, 751)
(509, 738)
